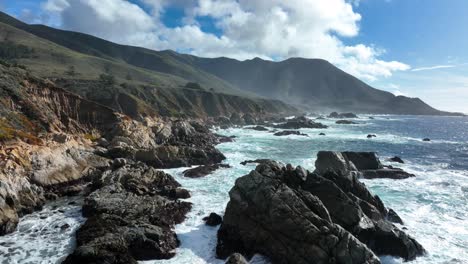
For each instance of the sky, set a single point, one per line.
(416, 48)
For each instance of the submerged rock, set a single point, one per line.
(294, 216)
(342, 115)
(426, 139)
(346, 122)
(258, 128)
(289, 132)
(322, 134)
(213, 219)
(396, 159)
(203, 170)
(371, 136)
(245, 162)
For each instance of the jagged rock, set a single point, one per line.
(245, 162)
(258, 128)
(203, 170)
(102, 142)
(303, 217)
(396, 159)
(393, 217)
(292, 225)
(346, 122)
(224, 139)
(289, 132)
(130, 214)
(236, 119)
(213, 219)
(300, 122)
(426, 139)
(236, 258)
(362, 164)
(342, 115)
(249, 119)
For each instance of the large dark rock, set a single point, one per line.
(396, 159)
(203, 170)
(131, 212)
(269, 213)
(213, 219)
(342, 115)
(245, 162)
(362, 164)
(294, 216)
(346, 122)
(258, 128)
(300, 122)
(289, 132)
(236, 258)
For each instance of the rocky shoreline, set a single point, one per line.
(131, 207)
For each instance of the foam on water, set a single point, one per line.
(43, 237)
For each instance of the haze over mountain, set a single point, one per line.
(309, 84)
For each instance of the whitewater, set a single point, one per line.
(433, 205)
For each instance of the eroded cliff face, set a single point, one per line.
(55, 143)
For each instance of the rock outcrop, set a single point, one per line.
(294, 216)
(363, 164)
(289, 132)
(131, 212)
(203, 170)
(346, 122)
(213, 219)
(300, 122)
(342, 115)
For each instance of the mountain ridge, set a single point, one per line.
(310, 84)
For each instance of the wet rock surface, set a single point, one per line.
(203, 170)
(131, 212)
(295, 216)
(346, 122)
(300, 122)
(213, 219)
(363, 164)
(342, 115)
(396, 159)
(289, 132)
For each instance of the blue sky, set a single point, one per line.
(411, 47)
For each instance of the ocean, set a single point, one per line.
(433, 205)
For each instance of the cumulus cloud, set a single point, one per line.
(273, 29)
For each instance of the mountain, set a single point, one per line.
(309, 84)
(135, 81)
(312, 84)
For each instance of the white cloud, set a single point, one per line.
(433, 68)
(250, 28)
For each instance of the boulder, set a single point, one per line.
(203, 170)
(371, 136)
(345, 122)
(396, 159)
(342, 115)
(361, 164)
(294, 216)
(426, 139)
(322, 134)
(213, 219)
(258, 128)
(289, 132)
(236, 258)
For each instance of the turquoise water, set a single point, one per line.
(434, 205)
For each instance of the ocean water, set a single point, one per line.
(433, 205)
